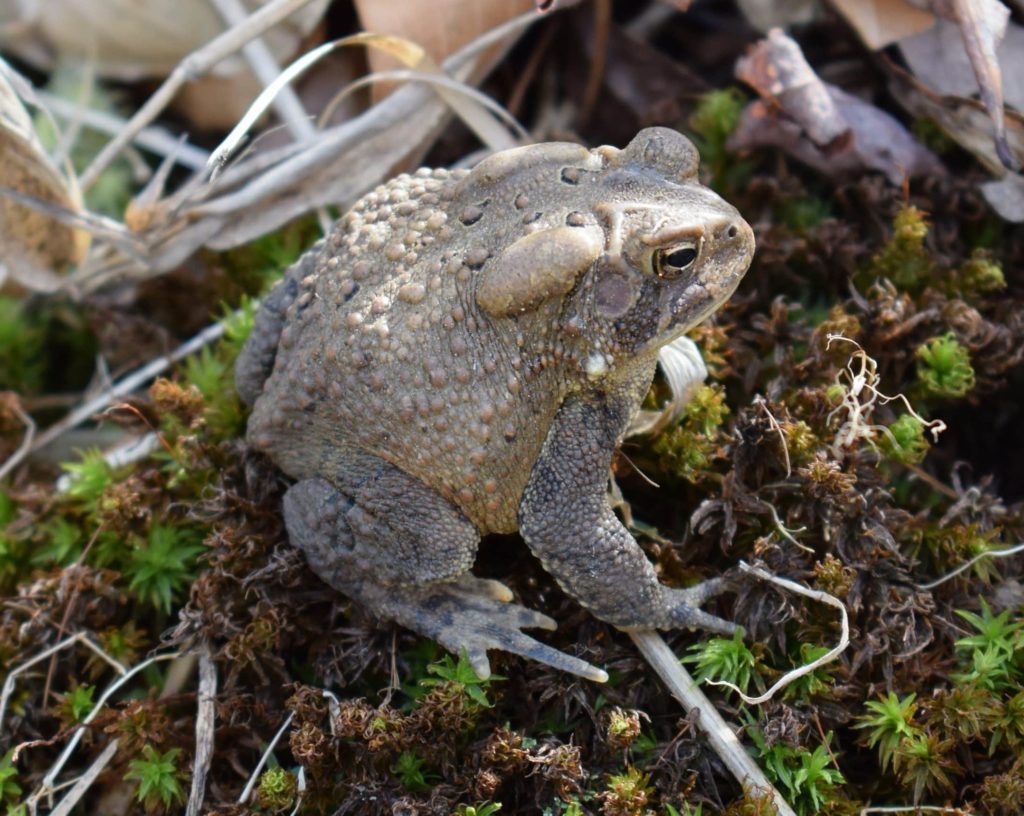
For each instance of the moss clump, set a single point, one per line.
(689, 449)
(804, 213)
(623, 728)
(801, 441)
(21, 343)
(714, 119)
(906, 442)
(904, 259)
(717, 114)
(834, 577)
(979, 274)
(627, 794)
(276, 790)
(944, 367)
(928, 133)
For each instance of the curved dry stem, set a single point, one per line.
(807, 668)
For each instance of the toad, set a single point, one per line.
(462, 355)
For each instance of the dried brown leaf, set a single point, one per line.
(819, 124)
(982, 24)
(274, 186)
(1006, 197)
(135, 39)
(883, 22)
(775, 67)
(963, 120)
(938, 57)
(34, 247)
(448, 26)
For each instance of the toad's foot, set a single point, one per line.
(683, 612)
(473, 615)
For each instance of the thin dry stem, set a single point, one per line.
(861, 383)
(807, 668)
(47, 785)
(914, 809)
(194, 65)
(152, 138)
(719, 734)
(286, 104)
(26, 440)
(254, 777)
(127, 385)
(84, 782)
(1019, 548)
(80, 637)
(206, 715)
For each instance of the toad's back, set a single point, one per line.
(385, 351)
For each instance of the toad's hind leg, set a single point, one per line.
(399, 548)
(256, 360)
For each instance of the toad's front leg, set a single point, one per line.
(566, 520)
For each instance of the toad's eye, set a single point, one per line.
(670, 263)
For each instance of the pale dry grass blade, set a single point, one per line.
(720, 735)
(195, 64)
(255, 196)
(266, 69)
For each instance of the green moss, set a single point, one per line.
(944, 367)
(276, 790)
(804, 213)
(12, 552)
(928, 133)
(907, 444)
(904, 259)
(688, 450)
(979, 275)
(90, 476)
(891, 720)
(21, 347)
(803, 776)
(724, 659)
(212, 372)
(627, 793)
(801, 441)
(926, 763)
(159, 779)
(259, 264)
(160, 567)
(717, 114)
(10, 790)
(714, 119)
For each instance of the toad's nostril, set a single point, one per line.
(732, 232)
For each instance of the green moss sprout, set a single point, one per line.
(726, 659)
(803, 776)
(689, 449)
(904, 259)
(10, 790)
(409, 770)
(161, 566)
(891, 720)
(906, 442)
(627, 794)
(713, 120)
(277, 790)
(21, 344)
(944, 367)
(159, 778)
